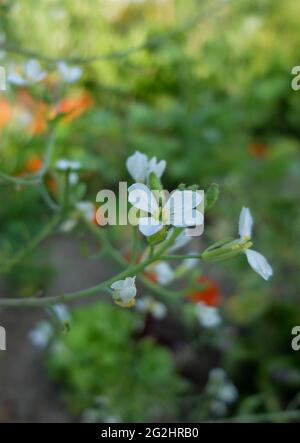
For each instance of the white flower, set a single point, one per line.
(221, 387)
(68, 225)
(228, 393)
(87, 209)
(208, 316)
(139, 166)
(148, 304)
(179, 210)
(164, 273)
(31, 72)
(62, 313)
(69, 74)
(157, 167)
(245, 223)
(256, 260)
(41, 334)
(73, 178)
(124, 292)
(63, 164)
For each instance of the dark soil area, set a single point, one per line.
(26, 394)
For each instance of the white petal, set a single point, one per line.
(124, 290)
(87, 209)
(73, 178)
(137, 166)
(157, 167)
(141, 197)
(259, 264)
(62, 312)
(181, 208)
(129, 282)
(149, 226)
(16, 79)
(208, 316)
(245, 223)
(41, 334)
(69, 74)
(118, 284)
(34, 72)
(164, 273)
(64, 164)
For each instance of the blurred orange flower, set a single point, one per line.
(258, 149)
(36, 109)
(72, 107)
(39, 122)
(33, 164)
(210, 295)
(5, 113)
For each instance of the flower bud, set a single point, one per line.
(225, 249)
(124, 292)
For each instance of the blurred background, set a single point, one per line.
(205, 85)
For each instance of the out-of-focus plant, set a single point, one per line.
(110, 375)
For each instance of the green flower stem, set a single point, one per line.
(181, 257)
(35, 241)
(48, 199)
(31, 180)
(114, 254)
(160, 290)
(135, 245)
(104, 286)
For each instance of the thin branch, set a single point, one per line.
(182, 257)
(104, 286)
(35, 241)
(135, 245)
(114, 254)
(116, 55)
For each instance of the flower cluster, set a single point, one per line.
(158, 218)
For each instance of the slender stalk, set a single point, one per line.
(135, 245)
(181, 257)
(114, 254)
(104, 286)
(45, 231)
(31, 180)
(117, 55)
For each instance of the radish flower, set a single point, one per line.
(163, 273)
(63, 164)
(69, 74)
(208, 316)
(256, 260)
(30, 73)
(139, 166)
(149, 305)
(124, 292)
(179, 211)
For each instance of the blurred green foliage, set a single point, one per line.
(216, 102)
(102, 366)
